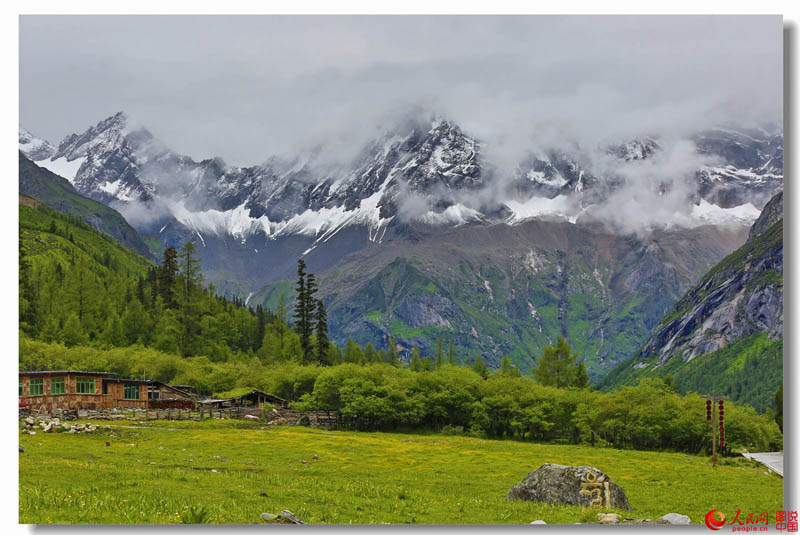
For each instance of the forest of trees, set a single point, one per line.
(88, 303)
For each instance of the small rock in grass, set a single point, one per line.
(538, 522)
(21, 449)
(268, 516)
(213, 470)
(290, 517)
(676, 518)
(608, 518)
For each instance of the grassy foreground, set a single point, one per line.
(232, 471)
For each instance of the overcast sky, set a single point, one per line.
(247, 87)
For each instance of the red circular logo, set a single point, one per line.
(712, 522)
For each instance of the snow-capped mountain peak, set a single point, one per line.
(429, 171)
(33, 147)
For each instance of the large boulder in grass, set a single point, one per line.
(570, 485)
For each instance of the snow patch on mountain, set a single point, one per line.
(63, 167)
(711, 214)
(236, 222)
(560, 206)
(118, 189)
(324, 223)
(33, 147)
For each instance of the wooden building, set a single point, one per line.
(69, 390)
(254, 399)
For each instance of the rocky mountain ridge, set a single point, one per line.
(427, 171)
(406, 239)
(741, 295)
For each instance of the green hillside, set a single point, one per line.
(58, 193)
(749, 371)
(736, 310)
(510, 293)
(80, 287)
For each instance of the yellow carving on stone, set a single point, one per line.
(594, 489)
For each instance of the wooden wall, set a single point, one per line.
(71, 400)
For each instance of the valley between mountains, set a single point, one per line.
(422, 237)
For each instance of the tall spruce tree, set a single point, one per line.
(451, 354)
(323, 343)
(166, 276)
(391, 352)
(190, 289)
(304, 308)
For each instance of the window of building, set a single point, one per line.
(20, 388)
(153, 392)
(105, 388)
(84, 385)
(57, 385)
(36, 387)
(131, 392)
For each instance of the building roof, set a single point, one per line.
(65, 372)
(123, 380)
(243, 396)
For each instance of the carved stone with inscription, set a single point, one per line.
(570, 485)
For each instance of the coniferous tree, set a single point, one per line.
(509, 369)
(779, 407)
(370, 354)
(559, 367)
(391, 352)
(113, 334)
(167, 275)
(353, 353)
(451, 354)
(72, 333)
(190, 288)
(323, 343)
(27, 295)
(417, 364)
(303, 308)
(479, 367)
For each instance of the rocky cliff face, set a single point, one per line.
(531, 262)
(509, 291)
(739, 297)
(771, 214)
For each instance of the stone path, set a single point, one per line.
(773, 460)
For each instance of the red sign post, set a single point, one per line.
(711, 408)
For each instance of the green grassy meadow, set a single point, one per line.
(232, 471)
